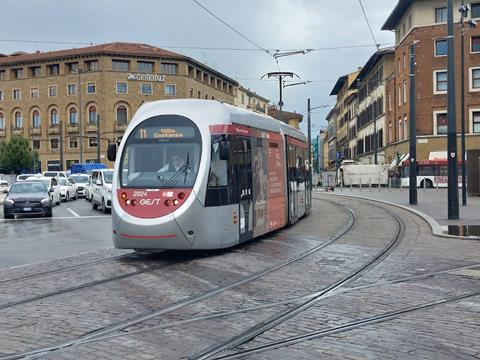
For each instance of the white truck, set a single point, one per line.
(362, 175)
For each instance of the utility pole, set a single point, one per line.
(33, 152)
(98, 139)
(453, 211)
(280, 75)
(80, 122)
(60, 127)
(462, 100)
(413, 131)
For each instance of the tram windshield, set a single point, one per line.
(161, 152)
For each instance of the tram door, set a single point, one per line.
(242, 162)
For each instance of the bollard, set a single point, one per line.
(351, 187)
(369, 184)
(424, 184)
(341, 185)
(379, 185)
(389, 184)
(360, 184)
(401, 184)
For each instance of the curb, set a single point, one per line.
(434, 225)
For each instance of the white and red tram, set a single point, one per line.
(236, 175)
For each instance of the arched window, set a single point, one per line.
(72, 116)
(121, 115)
(36, 119)
(2, 121)
(92, 115)
(54, 120)
(18, 120)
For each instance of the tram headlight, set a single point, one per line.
(167, 202)
(127, 202)
(181, 196)
(134, 202)
(123, 196)
(175, 202)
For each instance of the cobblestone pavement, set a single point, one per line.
(112, 286)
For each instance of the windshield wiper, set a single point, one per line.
(185, 168)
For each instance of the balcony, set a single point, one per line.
(72, 128)
(120, 127)
(54, 129)
(37, 131)
(17, 131)
(3, 133)
(91, 127)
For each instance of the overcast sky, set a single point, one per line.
(179, 25)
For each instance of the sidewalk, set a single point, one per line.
(433, 202)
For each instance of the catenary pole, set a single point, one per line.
(413, 131)
(453, 210)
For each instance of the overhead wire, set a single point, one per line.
(368, 23)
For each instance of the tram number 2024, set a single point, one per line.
(140, 193)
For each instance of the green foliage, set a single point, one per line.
(15, 155)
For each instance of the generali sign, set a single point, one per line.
(146, 77)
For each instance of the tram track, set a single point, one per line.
(121, 325)
(282, 316)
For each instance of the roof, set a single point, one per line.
(113, 49)
(396, 14)
(338, 85)
(374, 59)
(284, 115)
(253, 93)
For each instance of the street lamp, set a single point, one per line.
(463, 14)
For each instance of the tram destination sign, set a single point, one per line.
(146, 77)
(165, 132)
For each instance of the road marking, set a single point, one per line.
(73, 212)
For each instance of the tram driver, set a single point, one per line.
(177, 162)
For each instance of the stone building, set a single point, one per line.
(248, 99)
(48, 97)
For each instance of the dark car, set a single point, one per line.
(27, 197)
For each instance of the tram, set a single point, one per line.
(200, 174)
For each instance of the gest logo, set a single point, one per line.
(150, 202)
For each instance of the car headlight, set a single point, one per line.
(46, 201)
(9, 202)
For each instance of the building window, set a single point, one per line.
(92, 141)
(146, 89)
(36, 144)
(52, 91)
(17, 73)
(73, 143)
(404, 61)
(34, 93)
(92, 65)
(72, 116)
(475, 10)
(145, 66)
(92, 115)
(121, 115)
(169, 69)
(441, 15)
(53, 143)
(191, 92)
(199, 94)
(36, 119)
(405, 129)
(389, 101)
(72, 89)
(1, 95)
(54, 120)
(441, 47)
(399, 96)
(170, 90)
(35, 71)
(17, 94)
(404, 92)
(2, 121)
(2, 74)
(400, 132)
(122, 87)
(475, 79)
(120, 65)
(390, 133)
(18, 120)
(72, 67)
(475, 44)
(53, 69)
(91, 88)
(440, 81)
(441, 123)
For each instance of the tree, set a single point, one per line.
(15, 155)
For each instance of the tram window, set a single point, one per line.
(218, 174)
(220, 178)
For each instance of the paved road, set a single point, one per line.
(146, 295)
(73, 229)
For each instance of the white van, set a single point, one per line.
(101, 189)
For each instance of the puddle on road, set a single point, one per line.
(464, 230)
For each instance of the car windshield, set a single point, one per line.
(108, 176)
(28, 188)
(162, 152)
(79, 179)
(63, 182)
(50, 174)
(23, 177)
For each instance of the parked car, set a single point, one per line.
(52, 185)
(82, 181)
(68, 189)
(27, 197)
(101, 189)
(3, 186)
(58, 174)
(23, 177)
